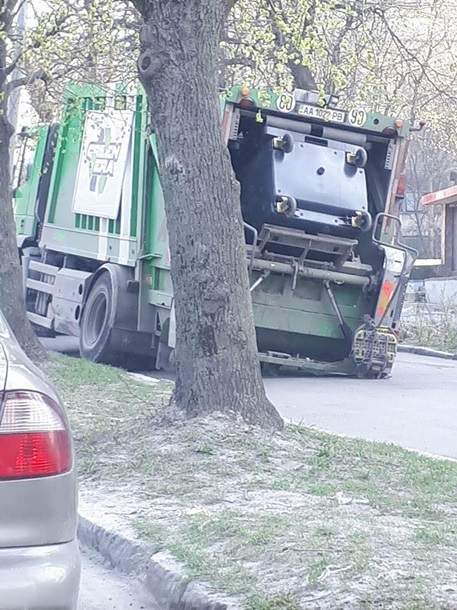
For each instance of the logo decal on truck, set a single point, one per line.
(102, 164)
(102, 156)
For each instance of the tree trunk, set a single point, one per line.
(11, 294)
(216, 353)
(303, 77)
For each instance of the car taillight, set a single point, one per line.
(34, 437)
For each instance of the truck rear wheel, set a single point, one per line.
(97, 322)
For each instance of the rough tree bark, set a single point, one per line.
(216, 355)
(11, 294)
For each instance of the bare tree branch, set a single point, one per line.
(25, 80)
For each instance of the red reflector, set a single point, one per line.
(402, 184)
(246, 102)
(34, 437)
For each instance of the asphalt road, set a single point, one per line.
(416, 408)
(105, 589)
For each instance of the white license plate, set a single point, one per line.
(324, 114)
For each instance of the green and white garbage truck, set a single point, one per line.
(321, 188)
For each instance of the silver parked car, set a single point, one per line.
(39, 559)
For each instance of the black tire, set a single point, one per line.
(290, 213)
(367, 222)
(361, 157)
(371, 374)
(287, 143)
(97, 322)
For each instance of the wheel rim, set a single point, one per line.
(96, 318)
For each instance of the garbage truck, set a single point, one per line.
(321, 188)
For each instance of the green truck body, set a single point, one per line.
(321, 189)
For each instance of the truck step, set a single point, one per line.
(43, 268)
(47, 277)
(39, 320)
(40, 286)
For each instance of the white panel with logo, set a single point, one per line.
(102, 163)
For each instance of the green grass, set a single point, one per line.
(441, 335)
(153, 532)
(277, 520)
(205, 449)
(82, 373)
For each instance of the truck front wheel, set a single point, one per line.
(97, 322)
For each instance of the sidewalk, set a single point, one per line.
(298, 519)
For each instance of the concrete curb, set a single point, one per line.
(426, 351)
(162, 576)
